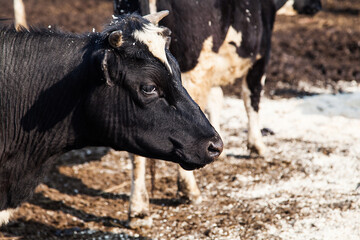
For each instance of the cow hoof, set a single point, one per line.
(138, 223)
(257, 151)
(193, 198)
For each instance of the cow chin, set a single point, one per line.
(191, 166)
(188, 163)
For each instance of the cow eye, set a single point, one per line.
(149, 89)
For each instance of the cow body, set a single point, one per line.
(293, 7)
(215, 42)
(60, 92)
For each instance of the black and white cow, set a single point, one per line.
(119, 88)
(308, 7)
(215, 42)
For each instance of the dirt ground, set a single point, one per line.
(86, 195)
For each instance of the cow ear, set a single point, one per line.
(116, 39)
(105, 68)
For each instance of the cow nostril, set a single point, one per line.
(215, 148)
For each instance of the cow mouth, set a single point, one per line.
(186, 163)
(191, 166)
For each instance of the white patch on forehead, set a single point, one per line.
(151, 36)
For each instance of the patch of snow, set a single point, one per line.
(331, 105)
(328, 121)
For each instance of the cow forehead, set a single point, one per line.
(153, 37)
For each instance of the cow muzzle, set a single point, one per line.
(213, 149)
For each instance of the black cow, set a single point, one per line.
(215, 42)
(119, 88)
(309, 7)
(300, 6)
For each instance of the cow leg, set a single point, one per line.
(187, 187)
(214, 106)
(139, 198)
(20, 16)
(252, 86)
(5, 216)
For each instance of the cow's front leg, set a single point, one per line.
(252, 86)
(187, 187)
(139, 199)
(214, 106)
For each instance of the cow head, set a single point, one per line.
(293, 7)
(309, 7)
(140, 104)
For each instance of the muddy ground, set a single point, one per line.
(86, 195)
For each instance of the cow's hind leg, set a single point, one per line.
(139, 199)
(187, 187)
(252, 87)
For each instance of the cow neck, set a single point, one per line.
(54, 97)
